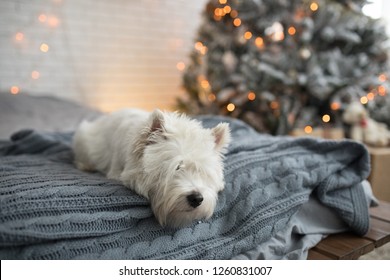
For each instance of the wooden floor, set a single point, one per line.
(347, 246)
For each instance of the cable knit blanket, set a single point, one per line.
(51, 210)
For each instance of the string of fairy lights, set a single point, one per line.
(23, 39)
(273, 34)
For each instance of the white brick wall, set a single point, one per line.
(106, 53)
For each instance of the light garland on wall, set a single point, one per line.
(20, 38)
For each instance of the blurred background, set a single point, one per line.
(106, 54)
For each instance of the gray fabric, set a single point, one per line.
(309, 226)
(50, 210)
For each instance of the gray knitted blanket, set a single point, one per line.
(51, 210)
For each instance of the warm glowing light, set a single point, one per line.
(205, 84)
(35, 75)
(259, 42)
(180, 66)
(248, 35)
(53, 21)
(364, 100)
(219, 12)
(335, 106)
(381, 90)
(308, 129)
(370, 96)
(230, 107)
(42, 18)
(382, 78)
(274, 105)
(14, 90)
(198, 46)
(44, 47)
(278, 36)
(19, 36)
(326, 118)
(237, 22)
(251, 96)
(233, 14)
(211, 97)
(222, 2)
(291, 30)
(314, 6)
(227, 9)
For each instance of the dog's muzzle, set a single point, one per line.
(195, 199)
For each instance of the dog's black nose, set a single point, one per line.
(195, 199)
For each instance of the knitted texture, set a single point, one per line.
(51, 210)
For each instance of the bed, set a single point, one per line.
(283, 195)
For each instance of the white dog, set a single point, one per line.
(166, 157)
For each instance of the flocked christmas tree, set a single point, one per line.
(280, 64)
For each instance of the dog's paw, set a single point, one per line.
(84, 167)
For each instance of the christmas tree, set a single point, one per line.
(283, 64)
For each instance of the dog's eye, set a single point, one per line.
(179, 166)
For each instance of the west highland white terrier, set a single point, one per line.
(166, 157)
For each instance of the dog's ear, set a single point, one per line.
(150, 133)
(157, 121)
(221, 134)
(156, 127)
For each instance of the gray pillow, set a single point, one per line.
(40, 113)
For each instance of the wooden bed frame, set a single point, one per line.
(347, 246)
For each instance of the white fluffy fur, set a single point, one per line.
(163, 156)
